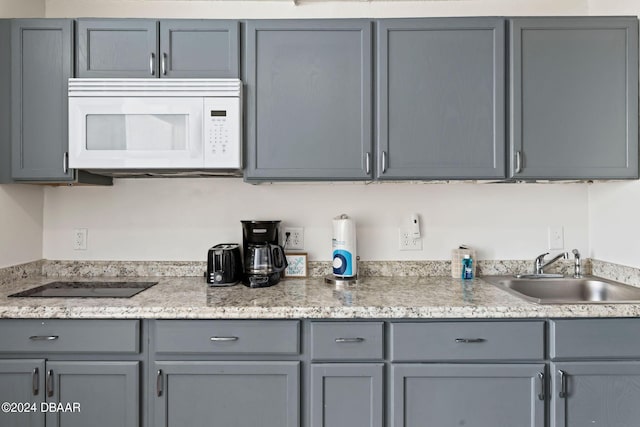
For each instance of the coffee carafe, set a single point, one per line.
(264, 259)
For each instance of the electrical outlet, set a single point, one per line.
(79, 239)
(556, 237)
(407, 242)
(296, 238)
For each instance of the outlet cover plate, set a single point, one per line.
(296, 238)
(408, 243)
(556, 237)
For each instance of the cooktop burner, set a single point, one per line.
(86, 290)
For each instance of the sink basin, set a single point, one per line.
(567, 290)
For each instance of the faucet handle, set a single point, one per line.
(540, 258)
(576, 253)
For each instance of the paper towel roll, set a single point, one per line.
(344, 247)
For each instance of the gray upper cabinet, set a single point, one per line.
(5, 101)
(42, 62)
(199, 48)
(308, 91)
(148, 48)
(441, 106)
(574, 98)
(117, 48)
(595, 394)
(474, 395)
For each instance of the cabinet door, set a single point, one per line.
(346, 395)
(595, 394)
(574, 98)
(441, 107)
(5, 102)
(199, 48)
(117, 48)
(22, 381)
(231, 393)
(309, 91)
(106, 393)
(470, 395)
(42, 62)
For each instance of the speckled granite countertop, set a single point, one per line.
(374, 297)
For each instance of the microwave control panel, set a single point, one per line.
(222, 133)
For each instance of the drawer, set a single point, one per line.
(227, 336)
(347, 341)
(594, 339)
(467, 341)
(69, 336)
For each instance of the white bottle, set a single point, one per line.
(344, 247)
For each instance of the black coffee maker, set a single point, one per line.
(264, 259)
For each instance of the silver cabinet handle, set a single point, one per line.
(469, 340)
(518, 162)
(43, 337)
(152, 64)
(35, 381)
(49, 383)
(384, 161)
(542, 385)
(355, 339)
(563, 385)
(219, 339)
(65, 162)
(163, 64)
(367, 163)
(159, 383)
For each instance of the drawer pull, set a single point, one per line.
(470, 340)
(159, 383)
(224, 339)
(49, 383)
(343, 340)
(35, 381)
(563, 385)
(43, 337)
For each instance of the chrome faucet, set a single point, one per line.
(539, 265)
(577, 268)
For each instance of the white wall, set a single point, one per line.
(21, 213)
(22, 8)
(309, 8)
(614, 228)
(179, 219)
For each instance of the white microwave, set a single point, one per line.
(155, 124)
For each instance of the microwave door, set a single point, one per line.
(135, 133)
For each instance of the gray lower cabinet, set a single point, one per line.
(107, 393)
(22, 381)
(469, 395)
(595, 394)
(148, 48)
(347, 395)
(70, 393)
(42, 62)
(441, 105)
(574, 98)
(199, 393)
(308, 90)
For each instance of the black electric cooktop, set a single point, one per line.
(86, 290)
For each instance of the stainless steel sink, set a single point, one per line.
(587, 290)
